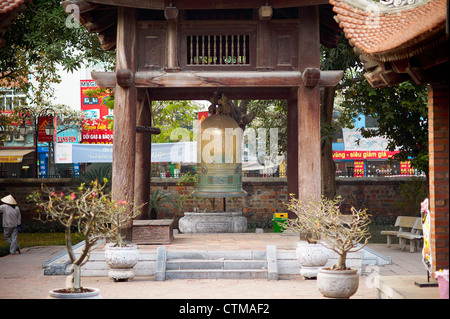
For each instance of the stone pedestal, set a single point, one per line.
(221, 222)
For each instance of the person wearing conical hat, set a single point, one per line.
(11, 222)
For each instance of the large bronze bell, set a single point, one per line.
(219, 160)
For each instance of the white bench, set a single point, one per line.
(404, 223)
(414, 236)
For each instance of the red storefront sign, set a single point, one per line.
(406, 169)
(362, 155)
(42, 135)
(95, 127)
(202, 116)
(96, 132)
(358, 170)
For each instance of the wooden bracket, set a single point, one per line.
(171, 13)
(265, 12)
(124, 77)
(311, 77)
(148, 129)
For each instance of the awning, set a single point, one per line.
(13, 156)
(185, 152)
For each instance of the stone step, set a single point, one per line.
(218, 254)
(249, 264)
(180, 264)
(217, 274)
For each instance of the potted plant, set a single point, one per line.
(342, 234)
(312, 255)
(120, 255)
(157, 199)
(87, 210)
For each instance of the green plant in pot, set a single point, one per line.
(157, 199)
(342, 234)
(88, 210)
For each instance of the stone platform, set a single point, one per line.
(243, 256)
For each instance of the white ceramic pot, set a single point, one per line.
(91, 293)
(337, 283)
(121, 261)
(311, 257)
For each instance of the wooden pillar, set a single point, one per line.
(292, 145)
(171, 14)
(143, 157)
(309, 163)
(438, 139)
(124, 148)
(263, 61)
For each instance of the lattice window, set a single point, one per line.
(225, 50)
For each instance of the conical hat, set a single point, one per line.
(9, 200)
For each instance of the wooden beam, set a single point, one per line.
(248, 4)
(124, 148)
(208, 4)
(143, 4)
(217, 79)
(191, 79)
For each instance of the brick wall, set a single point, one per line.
(438, 126)
(21, 188)
(380, 195)
(265, 196)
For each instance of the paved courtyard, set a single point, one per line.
(21, 276)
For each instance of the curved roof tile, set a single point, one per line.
(389, 33)
(9, 5)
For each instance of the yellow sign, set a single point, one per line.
(11, 159)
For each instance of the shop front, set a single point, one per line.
(370, 164)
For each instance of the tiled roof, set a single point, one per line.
(9, 5)
(386, 34)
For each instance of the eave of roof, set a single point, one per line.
(9, 11)
(9, 5)
(386, 34)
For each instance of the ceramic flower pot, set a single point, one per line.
(337, 283)
(311, 258)
(121, 261)
(89, 293)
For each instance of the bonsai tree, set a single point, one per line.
(88, 210)
(306, 223)
(322, 219)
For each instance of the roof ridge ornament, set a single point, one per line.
(400, 3)
(383, 6)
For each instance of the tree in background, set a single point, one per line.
(401, 113)
(172, 115)
(40, 41)
(402, 116)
